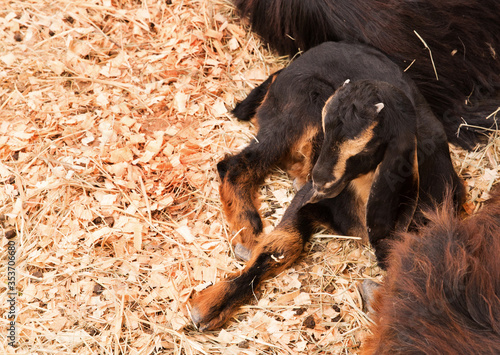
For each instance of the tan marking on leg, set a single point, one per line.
(234, 205)
(299, 163)
(361, 187)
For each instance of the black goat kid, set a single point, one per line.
(379, 161)
(376, 153)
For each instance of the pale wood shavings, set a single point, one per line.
(114, 115)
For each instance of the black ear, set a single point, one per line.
(394, 194)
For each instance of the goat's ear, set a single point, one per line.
(393, 195)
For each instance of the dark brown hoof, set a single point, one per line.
(242, 252)
(367, 290)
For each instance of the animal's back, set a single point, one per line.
(314, 76)
(334, 62)
(448, 47)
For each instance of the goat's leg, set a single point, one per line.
(212, 307)
(216, 304)
(242, 174)
(275, 252)
(241, 177)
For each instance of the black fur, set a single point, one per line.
(462, 36)
(408, 176)
(245, 111)
(293, 105)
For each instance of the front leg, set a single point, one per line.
(240, 180)
(241, 176)
(274, 253)
(214, 306)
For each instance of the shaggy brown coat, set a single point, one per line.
(442, 290)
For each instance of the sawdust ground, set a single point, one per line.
(113, 116)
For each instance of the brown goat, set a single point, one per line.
(449, 48)
(441, 294)
(376, 144)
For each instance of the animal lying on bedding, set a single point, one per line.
(441, 294)
(450, 48)
(376, 153)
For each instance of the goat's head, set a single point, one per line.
(352, 144)
(356, 136)
(370, 127)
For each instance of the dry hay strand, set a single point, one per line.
(114, 114)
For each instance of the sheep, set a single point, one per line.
(374, 143)
(441, 294)
(450, 48)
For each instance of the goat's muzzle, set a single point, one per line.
(328, 190)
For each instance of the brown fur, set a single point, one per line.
(442, 290)
(351, 148)
(300, 162)
(361, 187)
(239, 202)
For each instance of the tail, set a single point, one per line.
(246, 109)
